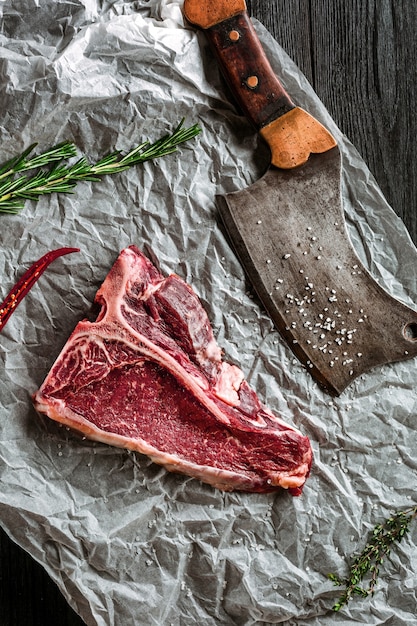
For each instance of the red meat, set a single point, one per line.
(148, 375)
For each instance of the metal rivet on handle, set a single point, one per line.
(234, 35)
(252, 82)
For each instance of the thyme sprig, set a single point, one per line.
(55, 176)
(368, 562)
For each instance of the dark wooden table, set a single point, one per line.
(361, 58)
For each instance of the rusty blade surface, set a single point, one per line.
(288, 230)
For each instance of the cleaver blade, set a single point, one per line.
(288, 228)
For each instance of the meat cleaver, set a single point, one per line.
(288, 228)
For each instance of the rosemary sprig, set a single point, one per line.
(383, 538)
(15, 187)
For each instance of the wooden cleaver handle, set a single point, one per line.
(291, 133)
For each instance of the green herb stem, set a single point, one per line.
(368, 562)
(62, 178)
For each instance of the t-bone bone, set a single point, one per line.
(148, 376)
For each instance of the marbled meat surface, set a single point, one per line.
(148, 375)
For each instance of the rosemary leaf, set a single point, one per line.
(14, 164)
(61, 151)
(64, 150)
(63, 177)
(12, 207)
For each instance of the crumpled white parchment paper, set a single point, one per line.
(127, 543)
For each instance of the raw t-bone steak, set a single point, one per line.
(148, 375)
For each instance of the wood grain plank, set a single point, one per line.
(28, 597)
(290, 24)
(368, 89)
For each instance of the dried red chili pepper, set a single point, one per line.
(26, 282)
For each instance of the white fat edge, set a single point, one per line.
(228, 383)
(211, 352)
(227, 480)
